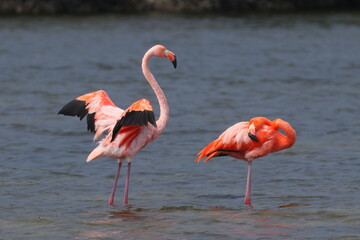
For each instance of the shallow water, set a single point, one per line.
(302, 68)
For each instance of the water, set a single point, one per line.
(302, 68)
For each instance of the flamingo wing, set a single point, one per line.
(102, 113)
(139, 113)
(233, 141)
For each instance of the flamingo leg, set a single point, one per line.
(111, 199)
(248, 185)
(126, 192)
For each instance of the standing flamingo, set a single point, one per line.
(128, 131)
(250, 140)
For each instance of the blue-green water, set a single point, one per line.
(302, 68)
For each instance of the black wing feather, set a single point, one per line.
(78, 108)
(91, 122)
(134, 118)
(151, 118)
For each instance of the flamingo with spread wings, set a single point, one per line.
(128, 131)
(250, 140)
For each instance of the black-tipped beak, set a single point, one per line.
(174, 62)
(253, 137)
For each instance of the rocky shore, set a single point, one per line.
(181, 6)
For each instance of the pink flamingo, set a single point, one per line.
(128, 131)
(250, 140)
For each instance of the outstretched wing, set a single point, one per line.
(139, 113)
(235, 139)
(101, 112)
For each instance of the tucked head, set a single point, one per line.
(256, 124)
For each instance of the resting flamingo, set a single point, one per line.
(250, 140)
(128, 131)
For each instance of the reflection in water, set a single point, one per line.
(134, 223)
(289, 205)
(140, 223)
(248, 222)
(125, 215)
(96, 234)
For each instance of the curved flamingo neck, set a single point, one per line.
(287, 140)
(259, 122)
(164, 107)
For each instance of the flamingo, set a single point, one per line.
(250, 140)
(127, 131)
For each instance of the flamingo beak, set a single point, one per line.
(171, 56)
(251, 133)
(253, 137)
(174, 62)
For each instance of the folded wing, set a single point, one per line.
(139, 113)
(234, 140)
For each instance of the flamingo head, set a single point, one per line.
(161, 51)
(256, 124)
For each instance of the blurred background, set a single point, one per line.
(189, 6)
(295, 60)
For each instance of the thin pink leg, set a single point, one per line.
(111, 199)
(248, 185)
(126, 192)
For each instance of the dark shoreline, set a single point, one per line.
(54, 7)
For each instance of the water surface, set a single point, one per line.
(302, 68)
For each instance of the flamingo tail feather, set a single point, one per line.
(96, 153)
